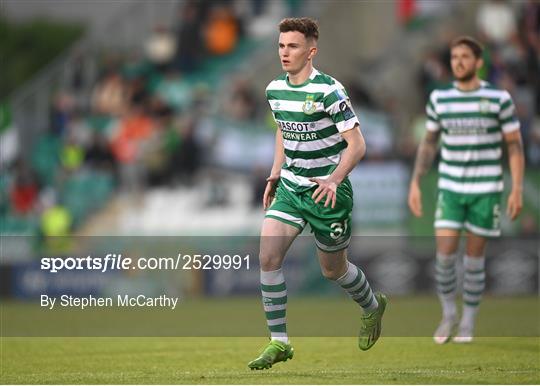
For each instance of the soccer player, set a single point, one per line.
(473, 118)
(318, 143)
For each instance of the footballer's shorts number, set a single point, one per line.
(207, 262)
(338, 229)
(496, 216)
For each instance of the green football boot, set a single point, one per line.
(275, 352)
(370, 330)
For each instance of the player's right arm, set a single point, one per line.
(272, 180)
(424, 157)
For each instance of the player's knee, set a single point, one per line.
(331, 273)
(269, 261)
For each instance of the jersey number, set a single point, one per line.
(338, 229)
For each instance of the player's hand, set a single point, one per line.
(326, 189)
(515, 203)
(270, 190)
(415, 199)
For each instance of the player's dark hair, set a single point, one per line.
(470, 42)
(305, 25)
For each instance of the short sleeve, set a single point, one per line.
(432, 123)
(267, 95)
(507, 114)
(338, 106)
(270, 102)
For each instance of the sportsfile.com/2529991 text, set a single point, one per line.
(113, 261)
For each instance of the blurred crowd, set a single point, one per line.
(146, 120)
(138, 125)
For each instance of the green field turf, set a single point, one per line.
(507, 352)
(243, 316)
(224, 360)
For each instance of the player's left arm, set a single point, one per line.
(516, 159)
(353, 153)
(512, 137)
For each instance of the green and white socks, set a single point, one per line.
(473, 288)
(474, 282)
(274, 297)
(446, 279)
(354, 282)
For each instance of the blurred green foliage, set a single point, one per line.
(27, 47)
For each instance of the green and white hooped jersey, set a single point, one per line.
(472, 125)
(311, 117)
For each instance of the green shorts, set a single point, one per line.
(331, 226)
(478, 213)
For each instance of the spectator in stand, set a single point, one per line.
(185, 160)
(243, 103)
(110, 96)
(496, 22)
(62, 107)
(56, 221)
(99, 155)
(138, 94)
(174, 91)
(135, 65)
(201, 100)
(71, 154)
(128, 147)
(160, 169)
(221, 31)
(76, 81)
(135, 127)
(160, 48)
(191, 16)
(25, 190)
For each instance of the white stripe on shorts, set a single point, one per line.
(286, 216)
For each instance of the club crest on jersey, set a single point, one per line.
(309, 105)
(484, 105)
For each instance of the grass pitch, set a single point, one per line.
(224, 361)
(490, 359)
